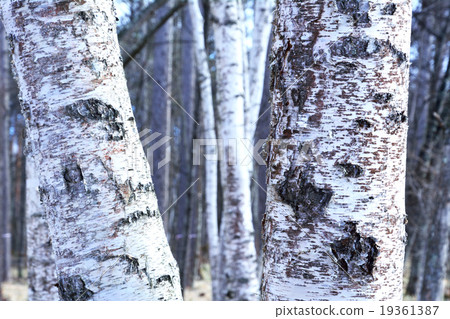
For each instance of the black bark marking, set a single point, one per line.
(351, 170)
(133, 264)
(351, 47)
(354, 253)
(363, 123)
(352, 8)
(73, 178)
(300, 94)
(356, 47)
(297, 191)
(395, 120)
(73, 289)
(160, 280)
(230, 294)
(390, 9)
(91, 110)
(86, 16)
(137, 215)
(382, 98)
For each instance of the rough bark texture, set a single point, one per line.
(207, 108)
(5, 208)
(41, 267)
(334, 223)
(94, 180)
(238, 279)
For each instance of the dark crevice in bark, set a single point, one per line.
(354, 253)
(73, 289)
(302, 195)
(96, 110)
(73, 177)
(351, 170)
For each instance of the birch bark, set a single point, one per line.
(94, 180)
(41, 267)
(238, 280)
(334, 222)
(207, 109)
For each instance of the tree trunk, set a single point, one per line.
(238, 279)
(207, 108)
(160, 119)
(94, 180)
(334, 222)
(5, 236)
(41, 267)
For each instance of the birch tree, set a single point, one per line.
(237, 264)
(41, 267)
(334, 222)
(207, 108)
(94, 180)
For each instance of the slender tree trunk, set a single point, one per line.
(94, 180)
(5, 208)
(160, 119)
(334, 222)
(207, 108)
(238, 279)
(257, 63)
(41, 267)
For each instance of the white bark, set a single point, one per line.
(238, 257)
(334, 223)
(94, 180)
(41, 267)
(207, 108)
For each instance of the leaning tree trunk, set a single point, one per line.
(209, 134)
(334, 223)
(41, 268)
(238, 279)
(94, 180)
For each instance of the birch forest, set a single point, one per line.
(229, 150)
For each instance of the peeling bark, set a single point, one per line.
(92, 170)
(334, 222)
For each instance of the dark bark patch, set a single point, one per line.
(352, 8)
(395, 120)
(73, 289)
(133, 264)
(86, 16)
(389, 9)
(160, 280)
(137, 215)
(351, 47)
(301, 93)
(382, 98)
(302, 195)
(351, 170)
(95, 110)
(363, 123)
(73, 178)
(354, 253)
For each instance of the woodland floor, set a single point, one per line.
(16, 289)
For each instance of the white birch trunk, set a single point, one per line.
(238, 279)
(94, 180)
(334, 223)
(207, 108)
(41, 267)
